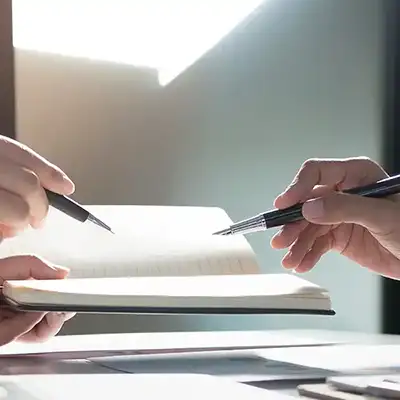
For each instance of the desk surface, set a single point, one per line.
(45, 365)
(86, 346)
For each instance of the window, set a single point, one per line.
(168, 35)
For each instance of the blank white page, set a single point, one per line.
(129, 386)
(148, 241)
(258, 291)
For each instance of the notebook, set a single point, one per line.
(162, 259)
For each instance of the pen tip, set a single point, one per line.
(224, 232)
(96, 221)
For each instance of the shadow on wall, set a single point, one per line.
(82, 114)
(285, 86)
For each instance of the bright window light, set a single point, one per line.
(168, 35)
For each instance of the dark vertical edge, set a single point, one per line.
(7, 76)
(391, 145)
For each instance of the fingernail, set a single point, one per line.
(287, 255)
(57, 174)
(68, 182)
(313, 208)
(279, 233)
(66, 179)
(287, 258)
(61, 269)
(61, 176)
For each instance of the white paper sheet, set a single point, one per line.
(148, 240)
(124, 387)
(343, 358)
(81, 346)
(240, 366)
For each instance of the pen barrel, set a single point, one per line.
(278, 217)
(282, 217)
(383, 188)
(67, 206)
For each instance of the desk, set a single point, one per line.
(43, 365)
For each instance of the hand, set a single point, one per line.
(366, 230)
(31, 326)
(23, 175)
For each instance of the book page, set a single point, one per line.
(148, 241)
(260, 285)
(261, 291)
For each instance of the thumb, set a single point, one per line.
(28, 266)
(377, 215)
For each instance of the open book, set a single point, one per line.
(160, 260)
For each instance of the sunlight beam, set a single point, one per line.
(167, 35)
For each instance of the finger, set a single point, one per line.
(379, 216)
(48, 327)
(288, 234)
(26, 184)
(332, 173)
(14, 211)
(321, 246)
(7, 232)
(21, 323)
(304, 243)
(28, 266)
(50, 176)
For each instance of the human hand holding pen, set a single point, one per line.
(366, 230)
(23, 176)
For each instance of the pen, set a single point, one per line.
(273, 218)
(73, 209)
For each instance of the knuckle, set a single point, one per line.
(32, 259)
(315, 170)
(318, 164)
(366, 168)
(363, 161)
(311, 163)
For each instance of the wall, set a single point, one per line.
(301, 79)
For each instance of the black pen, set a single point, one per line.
(73, 209)
(273, 218)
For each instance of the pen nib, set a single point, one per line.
(96, 221)
(224, 232)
